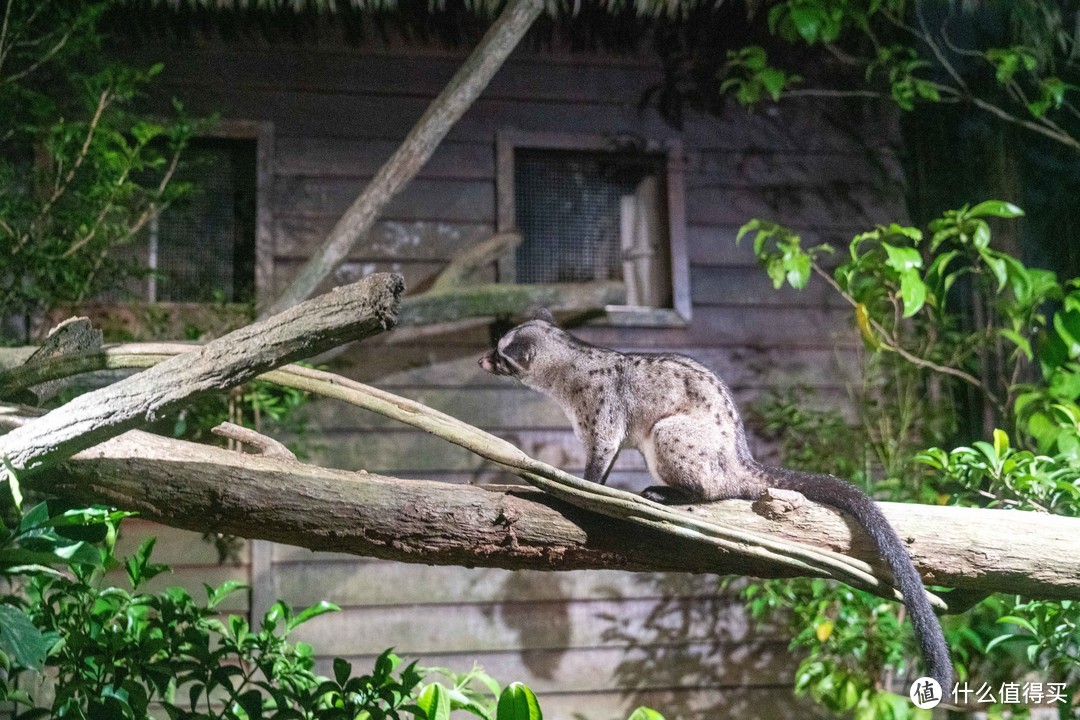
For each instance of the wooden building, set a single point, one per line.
(305, 125)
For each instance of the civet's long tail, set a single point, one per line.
(838, 493)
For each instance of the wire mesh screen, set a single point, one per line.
(205, 243)
(567, 205)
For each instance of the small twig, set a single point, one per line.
(953, 46)
(1041, 129)
(928, 38)
(103, 102)
(267, 446)
(833, 93)
(886, 345)
(3, 36)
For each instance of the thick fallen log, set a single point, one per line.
(205, 488)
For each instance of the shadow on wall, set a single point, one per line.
(546, 626)
(695, 655)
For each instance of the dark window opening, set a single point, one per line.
(202, 247)
(593, 216)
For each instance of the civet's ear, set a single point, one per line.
(545, 315)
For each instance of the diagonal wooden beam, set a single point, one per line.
(445, 110)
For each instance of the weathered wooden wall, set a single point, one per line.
(592, 644)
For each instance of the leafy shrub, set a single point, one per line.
(950, 318)
(73, 647)
(81, 174)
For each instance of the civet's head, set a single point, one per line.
(517, 349)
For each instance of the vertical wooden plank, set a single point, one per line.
(505, 210)
(263, 584)
(680, 252)
(264, 214)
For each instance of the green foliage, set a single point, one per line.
(998, 475)
(748, 74)
(80, 174)
(1015, 634)
(1021, 356)
(1013, 61)
(72, 646)
(899, 286)
(257, 404)
(780, 252)
(35, 548)
(811, 21)
(844, 637)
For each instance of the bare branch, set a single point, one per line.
(267, 446)
(459, 94)
(200, 487)
(607, 501)
(351, 312)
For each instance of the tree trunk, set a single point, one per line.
(206, 488)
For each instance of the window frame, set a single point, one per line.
(508, 141)
(262, 132)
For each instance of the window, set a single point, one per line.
(202, 248)
(592, 209)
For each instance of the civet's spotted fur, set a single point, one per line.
(684, 421)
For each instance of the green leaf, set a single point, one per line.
(342, 670)
(997, 266)
(321, 608)
(517, 702)
(773, 80)
(214, 596)
(13, 482)
(21, 639)
(138, 566)
(980, 237)
(435, 702)
(1017, 620)
(644, 713)
(1001, 441)
(1022, 343)
(996, 208)
(749, 226)
(807, 22)
(912, 292)
(862, 320)
(1067, 325)
(776, 271)
(798, 270)
(902, 259)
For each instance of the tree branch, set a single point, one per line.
(349, 313)
(601, 499)
(202, 488)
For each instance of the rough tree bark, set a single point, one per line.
(206, 488)
(459, 94)
(201, 487)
